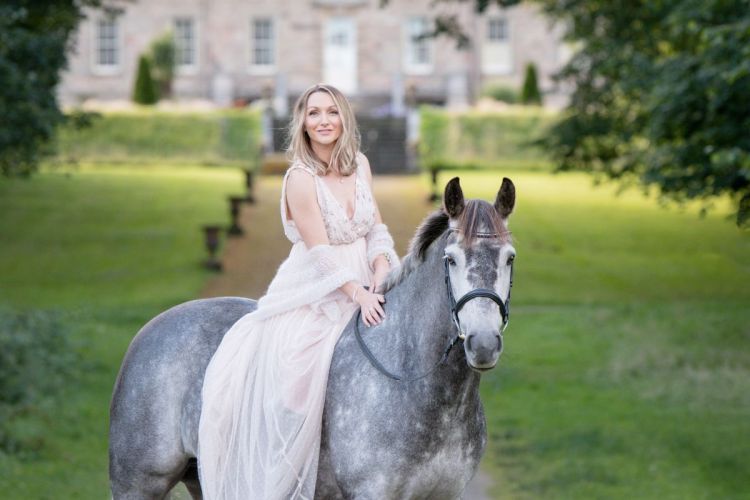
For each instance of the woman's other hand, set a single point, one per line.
(372, 310)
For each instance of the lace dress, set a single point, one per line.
(264, 389)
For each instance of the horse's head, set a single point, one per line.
(479, 258)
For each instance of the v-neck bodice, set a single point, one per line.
(329, 192)
(340, 228)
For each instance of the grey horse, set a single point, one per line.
(417, 438)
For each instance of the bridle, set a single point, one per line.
(456, 307)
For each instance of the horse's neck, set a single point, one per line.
(424, 327)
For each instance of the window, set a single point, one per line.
(263, 50)
(418, 50)
(497, 30)
(107, 46)
(497, 57)
(185, 42)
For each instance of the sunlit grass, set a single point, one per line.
(109, 248)
(626, 367)
(626, 371)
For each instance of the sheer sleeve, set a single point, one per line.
(302, 279)
(379, 242)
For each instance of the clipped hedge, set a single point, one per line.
(37, 362)
(216, 138)
(482, 140)
(502, 93)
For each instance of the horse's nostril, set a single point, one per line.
(468, 342)
(499, 342)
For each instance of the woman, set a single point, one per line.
(264, 389)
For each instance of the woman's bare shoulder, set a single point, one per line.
(298, 166)
(300, 184)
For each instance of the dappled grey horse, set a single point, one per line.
(402, 419)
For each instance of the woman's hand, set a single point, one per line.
(372, 311)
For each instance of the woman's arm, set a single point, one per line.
(382, 262)
(302, 202)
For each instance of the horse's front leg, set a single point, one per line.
(326, 486)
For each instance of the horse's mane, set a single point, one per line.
(428, 231)
(478, 217)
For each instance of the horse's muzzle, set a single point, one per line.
(483, 349)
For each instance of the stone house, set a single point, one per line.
(232, 51)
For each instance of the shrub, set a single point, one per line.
(144, 91)
(37, 361)
(482, 140)
(530, 92)
(163, 62)
(151, 136)
(502, 93)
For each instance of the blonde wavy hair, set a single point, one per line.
(344, 155)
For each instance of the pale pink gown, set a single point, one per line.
(264, 389)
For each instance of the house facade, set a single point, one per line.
(231, 51)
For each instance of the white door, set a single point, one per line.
(340, 54)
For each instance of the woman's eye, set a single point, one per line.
(334, 112)
(313, 113)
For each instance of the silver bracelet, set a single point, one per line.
(387, 257)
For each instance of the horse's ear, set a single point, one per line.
(453, 200)
(506, 198)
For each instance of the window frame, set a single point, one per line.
(263, 69)
(192, 68)
(497, 44)
(410, 45)
(106, 69)
(503, 20)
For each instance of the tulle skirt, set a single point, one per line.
(263, 396)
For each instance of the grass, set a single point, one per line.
(109, 248)
(626, 372)
(626, 364)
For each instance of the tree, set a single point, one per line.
(35, 38)
(661, 93)
(661, 96)
(530, 91)
(162, 56)
(144, 90)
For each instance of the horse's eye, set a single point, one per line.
(450, 260)
(511, 258)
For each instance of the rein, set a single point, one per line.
(456, 306)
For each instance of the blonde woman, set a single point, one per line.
(264, 389)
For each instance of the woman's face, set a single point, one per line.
(322, 119)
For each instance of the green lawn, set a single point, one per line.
(626, 371)
(626, 364)
(109, 248)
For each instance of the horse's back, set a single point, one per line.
(156, 400)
